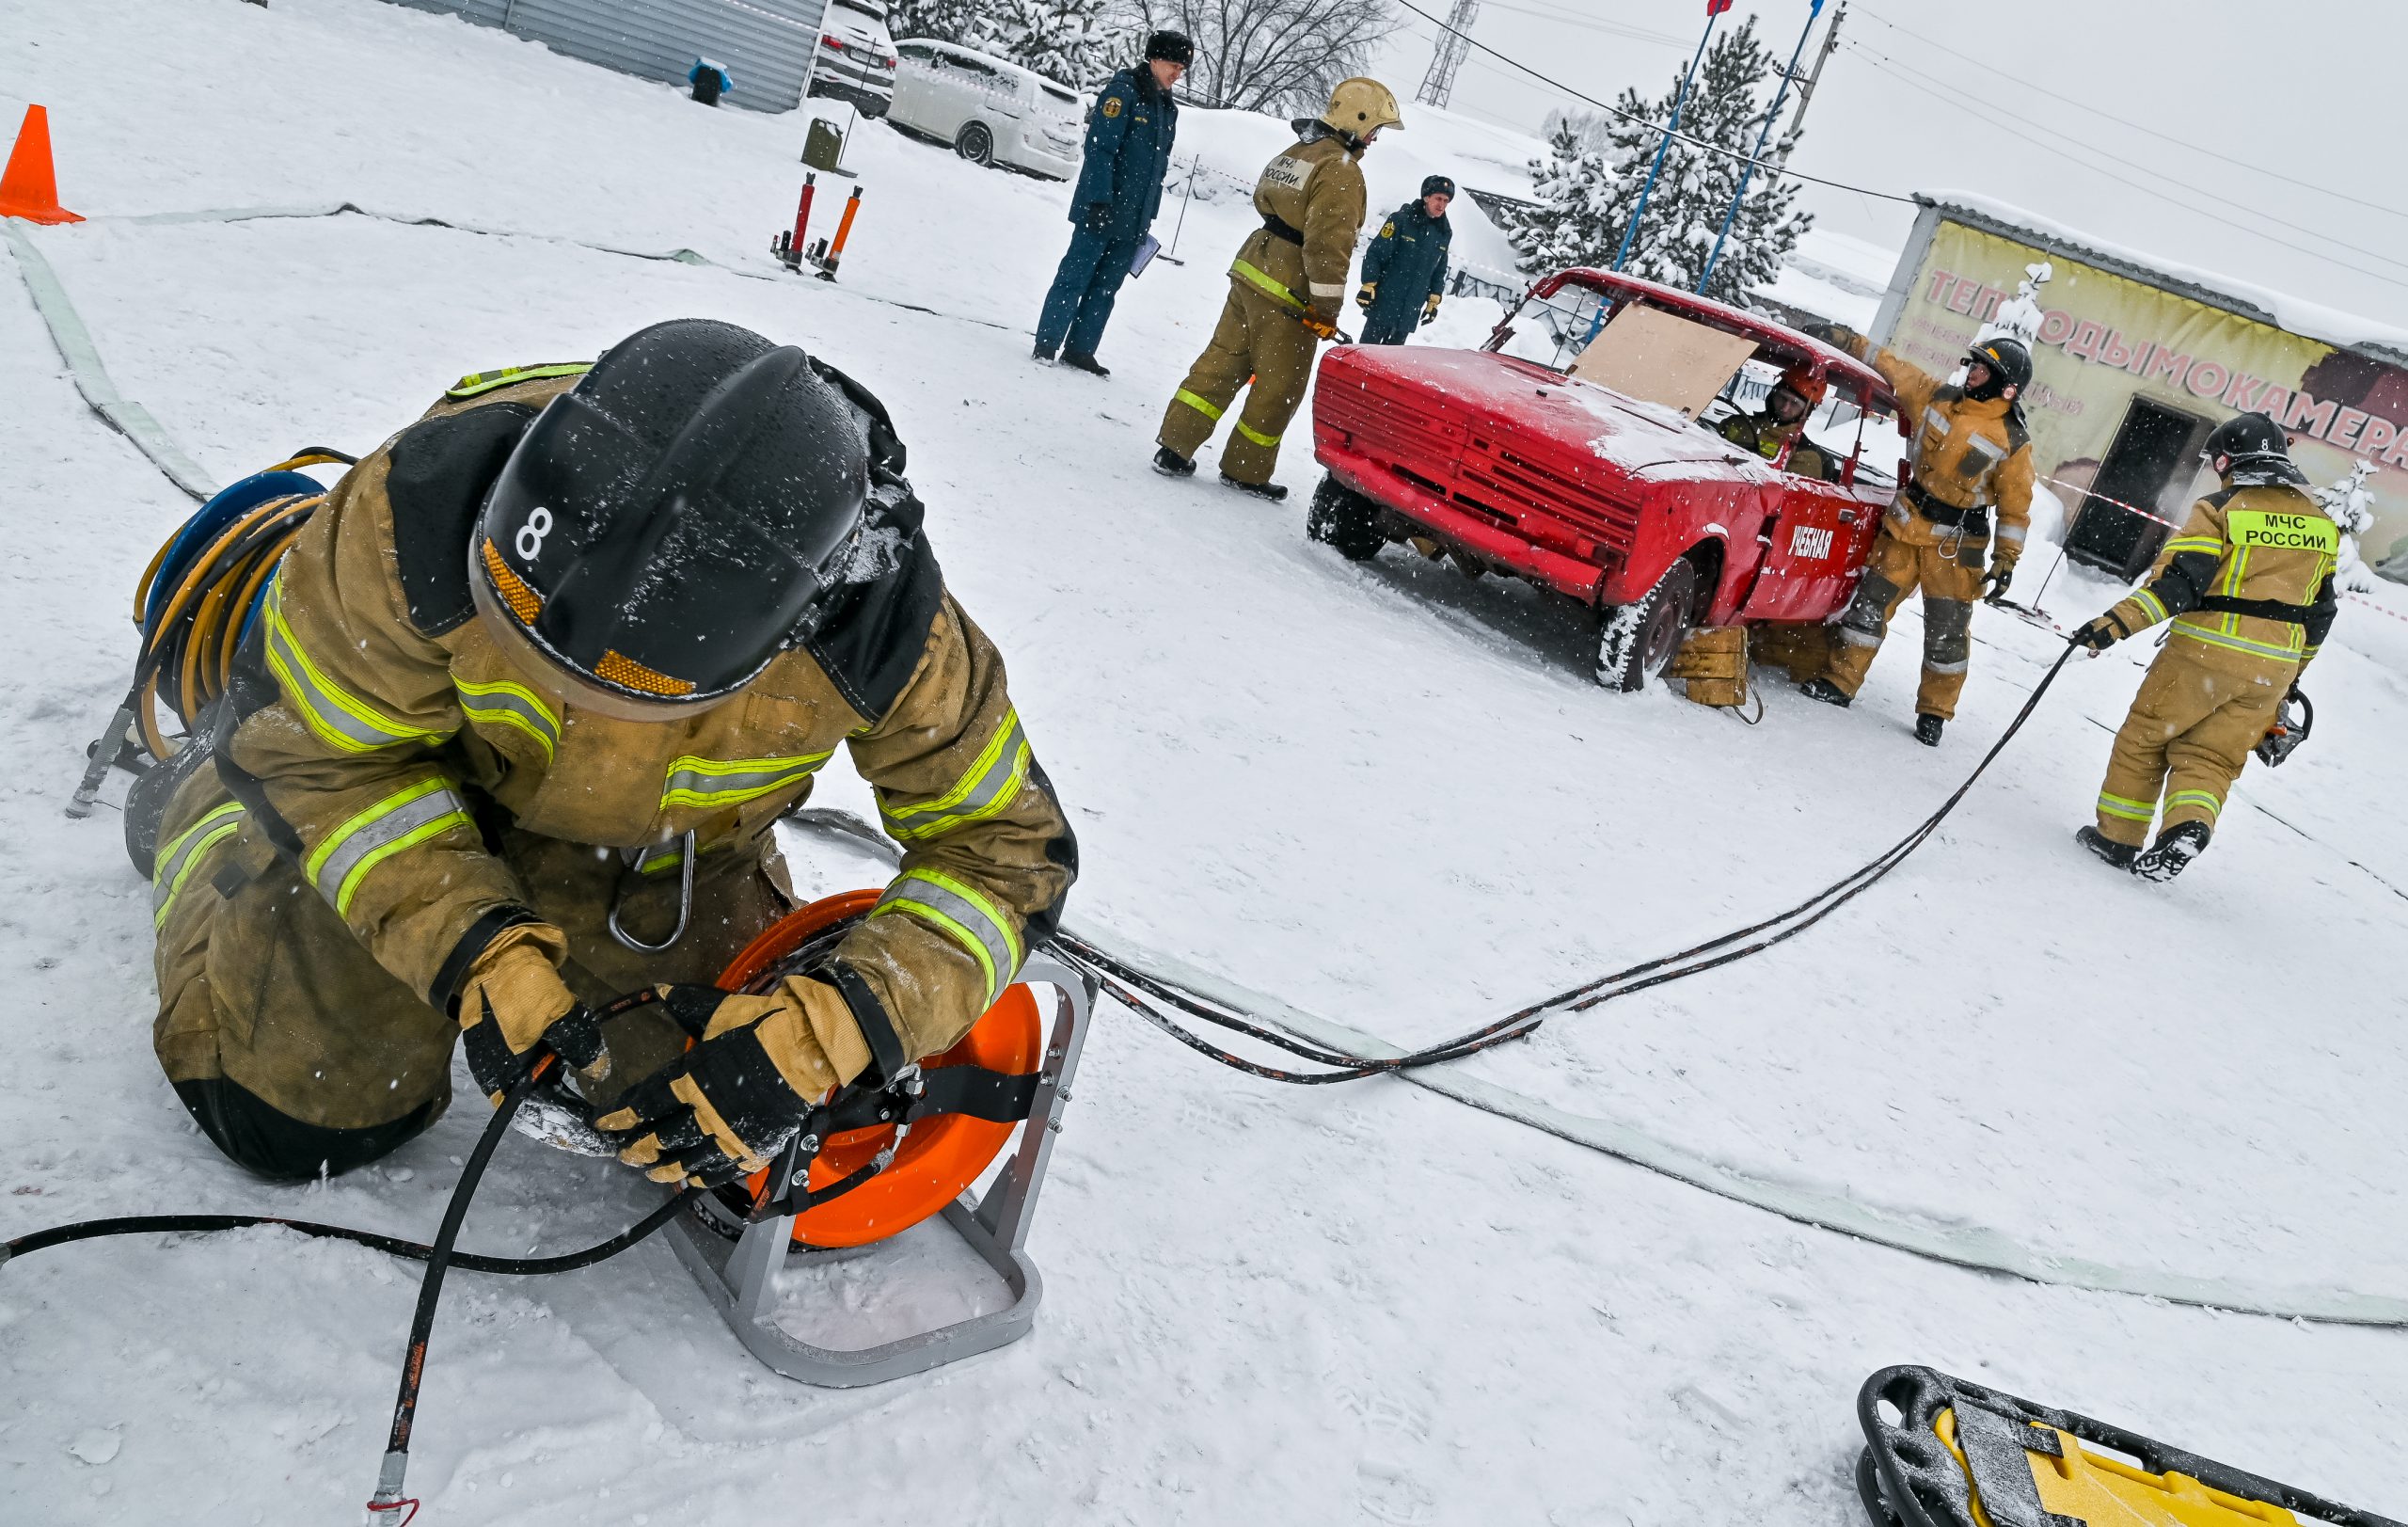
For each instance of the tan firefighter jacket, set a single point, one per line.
(380, 739)
(1312, 201)
(1968, 453)
(2251, 572)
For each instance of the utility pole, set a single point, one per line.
(1830, 46)
(1454, 42)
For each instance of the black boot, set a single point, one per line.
(2119, 855)
(1083, 360)
(1041, 353)
(1827, 691)
(2173, 852)
(1927, 729)
(1272, 491)
(1171, 464)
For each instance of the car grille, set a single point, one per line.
(1496, 472)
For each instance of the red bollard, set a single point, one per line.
(793, 253)
(844, 231)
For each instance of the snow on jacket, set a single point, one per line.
(379, 736)
(1407, 263)
(1128, 150)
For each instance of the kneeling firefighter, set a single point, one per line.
(1285, 288)
(528, 696)
(1971, 455)
(2248, 586)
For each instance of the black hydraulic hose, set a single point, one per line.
(1696, 960)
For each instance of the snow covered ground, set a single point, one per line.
(1386, 793)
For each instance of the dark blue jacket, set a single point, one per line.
(1128, 152)
(1408, 262)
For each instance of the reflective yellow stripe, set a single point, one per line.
(2284, 533)
(965, 916)
(1182, 395)
(2150, 605)
(2231, 640)
(1278, 291)
(339, 719)
(407, 817)
(708, 783)
(477, 382)
(2213, 802)
(2195, 543)
(2126, 807)
(183, 854)
(1266, 441)
(505, 704)
(990, 784)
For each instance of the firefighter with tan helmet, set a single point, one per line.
(2247, 585)
(529, 696)
(1971, 459)
(1285, 290)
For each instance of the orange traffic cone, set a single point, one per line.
(30, 188)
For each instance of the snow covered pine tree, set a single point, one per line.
(1077, 42)
(1588, 185)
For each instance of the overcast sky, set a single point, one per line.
(2306, 95)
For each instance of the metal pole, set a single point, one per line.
(1830, 46)
(1749, 173)
(1679, 97)
(1192, 165)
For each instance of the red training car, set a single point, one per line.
(1517, 459)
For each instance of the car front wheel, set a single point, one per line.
(1636, 640)
(1345, 521)
(976, 144)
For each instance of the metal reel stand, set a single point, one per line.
(740, 1276)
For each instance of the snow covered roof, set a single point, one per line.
(2347, 330)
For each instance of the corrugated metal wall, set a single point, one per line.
(768, 45)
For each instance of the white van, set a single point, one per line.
(992, 111)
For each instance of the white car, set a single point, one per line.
(993, 112)
(856, 57)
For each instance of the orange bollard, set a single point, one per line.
(29, 188)
(844, 231)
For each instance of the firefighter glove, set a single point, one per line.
(1995, 581)
(1838, 335)
(513, 1000)
(2099, 632)
(1098, 216)
(740, 1094)
(1430, 308)
(1368, 295)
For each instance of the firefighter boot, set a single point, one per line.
(2173, 852)
(2119, 855)
(1927, 729)
(1171, 464)
(1827, 691)
(1272, 491)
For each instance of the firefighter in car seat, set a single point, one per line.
(1783, 423)
(1971, 459)
(529, 693)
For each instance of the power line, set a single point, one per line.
(2140, 127)
(1567, 18)
(1772, 167)
(1955, 99)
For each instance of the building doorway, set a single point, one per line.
(2153, 460)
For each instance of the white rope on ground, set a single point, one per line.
(1798, 1199)
(122, 414)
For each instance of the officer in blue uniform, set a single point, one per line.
(1404, 272)
(1119, 189)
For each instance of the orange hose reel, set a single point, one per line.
(941, 1156)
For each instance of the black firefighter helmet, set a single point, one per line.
(2248, 440)
(2009, 362)
(668, 526)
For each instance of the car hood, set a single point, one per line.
(839, 23)
(1624, 435)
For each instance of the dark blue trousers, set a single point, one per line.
(1079, 303)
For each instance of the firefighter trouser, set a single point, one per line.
(1256, 338)
(1950, 575)
(2198, 713)
(294, 1049)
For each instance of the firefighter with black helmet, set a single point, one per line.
(528, 697)
(1285, 287)
(2247, 584)
(1971, 459)
(1777, 432)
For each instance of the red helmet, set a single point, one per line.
(1804, 381)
